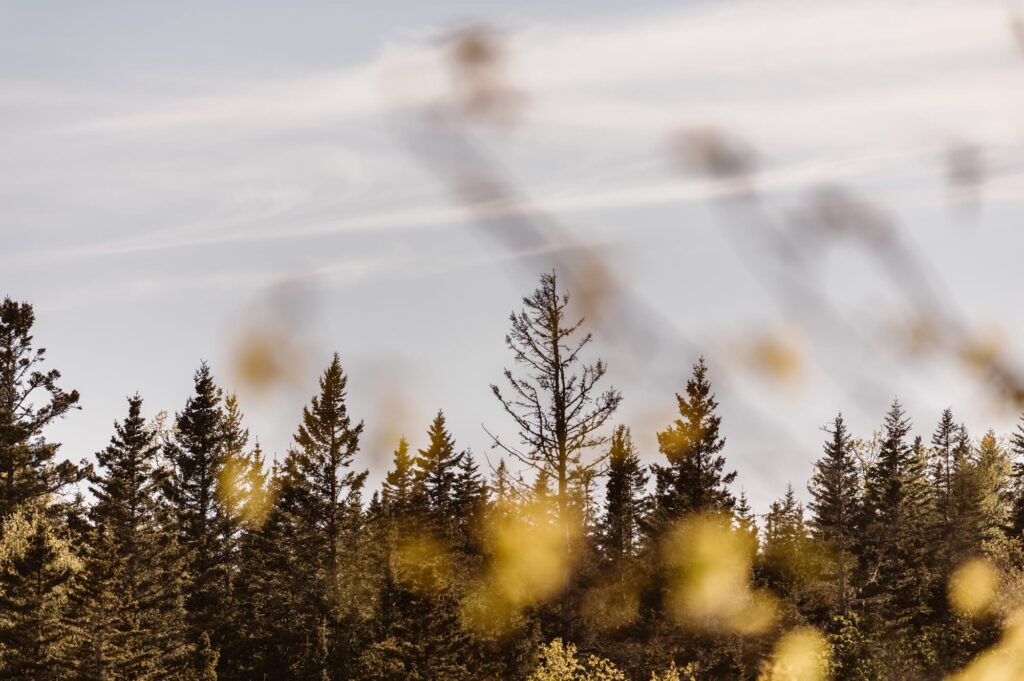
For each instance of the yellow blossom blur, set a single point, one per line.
(800, 655)
(529, 563)
(265, 358)
(779, 356)
(973, 587)
(1004, 661)
(711, 585)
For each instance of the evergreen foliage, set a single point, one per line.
(694, 479)
(192, 555)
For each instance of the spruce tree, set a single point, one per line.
(966, 531)
(744, 520)
(694, 479)
(502, 485)
(947, 461)
(131, 615)
(437, 471)
(30, 400)
(271, 613)
(418, 631)
(784, 551)
(626, 502)
(243, 503)
(1017, 450)
(400, 486)
(994, 470)
(321, 497)
(896, 515)
(469, 497)
(241, 485)
(835, 492)
(37, 576)
(203, 664)
(197, 457)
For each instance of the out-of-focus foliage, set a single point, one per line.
(193, 560)
(528, 562)
(972, 587)
(710, 587)
(800, 655)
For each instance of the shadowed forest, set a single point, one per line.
(182, 551)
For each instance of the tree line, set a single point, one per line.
(181, 551)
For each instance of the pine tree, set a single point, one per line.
(197, 457)
(37, 573)
(321, 497)
(835, 488)
(271, 613)
(895, 517)
(784, 551)
(947, 462)
(436, 472)
(744, 520)
(626, 503)
(1017, 450)
(130, 606)
(694, 479)
(400, 487)
(30, 400)
(469, 497)
(994, 469)
(966, 531)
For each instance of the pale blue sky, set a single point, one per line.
(162, 167)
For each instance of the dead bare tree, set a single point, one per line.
(556, 404)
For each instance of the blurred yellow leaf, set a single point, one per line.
(778, 356)
(265, 358)
(711, 585)
(800, 655)
(973, 587)
(529, 563)
(1004, 661)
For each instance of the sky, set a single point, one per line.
(173, 177)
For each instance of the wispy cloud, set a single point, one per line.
(824, 90)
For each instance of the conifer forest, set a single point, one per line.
(469, 340)
(181, 552)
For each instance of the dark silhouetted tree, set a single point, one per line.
(400, 487)
(197, 456)
(130, 608)
(835, 492)
(321, 497)
(37, 573)
(626, 501)
(556, 405)
(436, 473)
(30, 400)
(694, 478)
